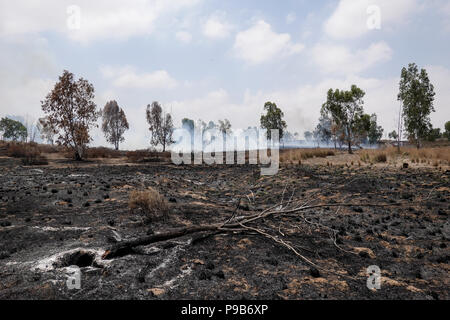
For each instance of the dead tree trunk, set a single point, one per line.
(125, 247)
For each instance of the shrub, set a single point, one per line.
(137, 156)
(150, 202)
(34, 159)
(380, 158)
(48, 148)
(16, 150)
(141, 156)
(30, 154)
(102, 152)
(304, 154)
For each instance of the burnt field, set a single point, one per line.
(347, 219)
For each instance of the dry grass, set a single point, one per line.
(380, 158)
(435, 155)
(48, 148)
(29, 153)
(304, 154)
(102, 152)
(141, 156)
(17, 150)
(428, 154)
(151, 202)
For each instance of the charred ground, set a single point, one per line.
(56, 216)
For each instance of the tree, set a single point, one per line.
(324, 129)
(417, 96)
(188, 124)
(32, 130)
(375, 131)
(288, 137)
(114, 123)
(434, 134)
(211, 125)
(361, 131)
(346, 110)
(328, 128)
(400, 128)
(71, 112)
(224, 126)
(393, 135)
(46, 130)
(308, 135)
(316, 136)
(273, 119)
(13, 129)
(446, 134)
(201, 125)
(161, 126)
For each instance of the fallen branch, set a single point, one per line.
(125, 247)
(234, 224)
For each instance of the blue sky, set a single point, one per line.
(212, 60)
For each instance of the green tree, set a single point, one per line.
(224, 126)
(13, 129)
(346, 110)
(375, 131)
(434, 134)
(161, 125)
(324, 129)
(361, 130)
(417, 96)
(273, 119)
(308, 135)
(71, 112)
(446, 133)
(188, 124)
(114, 123)
(393, 135)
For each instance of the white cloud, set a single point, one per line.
(349, 20)
(15, 102)
(340, 59)
(184, 36)
(290, 18)
(27, 74)
(216, 27)
(213, 105)
(260, 44)
(100, 19)
(127, 77)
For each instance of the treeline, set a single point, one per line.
(344, 122)
(70, 114)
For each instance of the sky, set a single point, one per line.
(211, 60)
